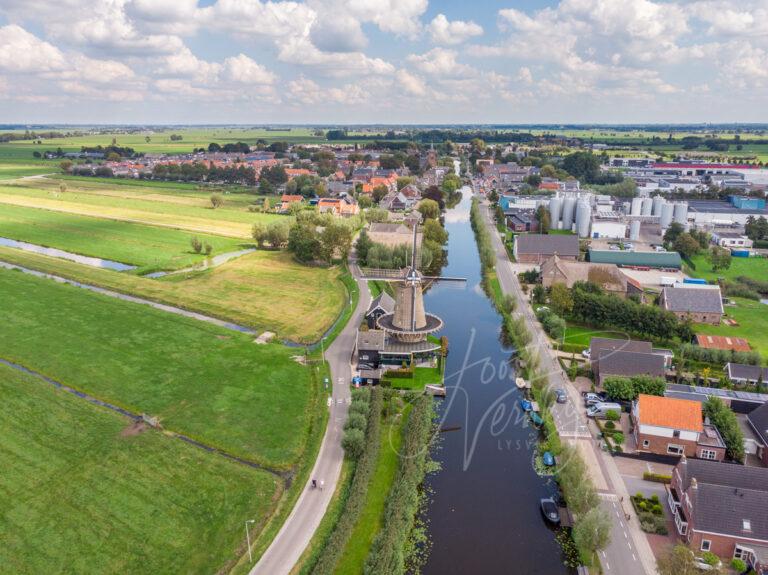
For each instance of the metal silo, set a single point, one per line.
(636, 206)
(583, 217)
(647, 207)
(626, 207)
(634, 230)
(569, 210)
(555, 206)
(667, 213)
(681, 213)
(658, 201)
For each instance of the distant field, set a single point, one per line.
(210, 383)
(752, 317)
(147, 247)
(756, 268)
(265, 290)
(80, 496)
(12, 171)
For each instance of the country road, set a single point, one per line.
(630, 555)
(298, 529)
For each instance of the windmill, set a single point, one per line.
(408, 323)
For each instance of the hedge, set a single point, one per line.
(657, 477)
(394, 544)
(358, 490)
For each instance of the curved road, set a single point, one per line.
(298, 529)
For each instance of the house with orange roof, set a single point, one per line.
(287, 199)
(674, 427)
(340, 207)
(296, 172)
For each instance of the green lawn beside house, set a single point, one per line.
(752, 318)
(756, 268)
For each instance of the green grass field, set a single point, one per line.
(82, 495)
(752, 317)
(421, 376)
(756, 268)
(582, 335)
(148, 247)
(210, 383)
(369, 522)
(264, 290)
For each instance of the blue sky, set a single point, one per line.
(383, 61)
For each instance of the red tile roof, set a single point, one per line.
(722, 342)
(684, 414)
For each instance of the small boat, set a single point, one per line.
(549, 509)
(536, 418)
(548, 459)
(520, 383)
(525, 405)
(436, 390)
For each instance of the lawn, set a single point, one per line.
(207, 382)
(752, 317)
(756, 268)
(13, 171)
(581, 334)
(185, 210)
(80, 495)
(264, 290)
(369, 522)
(148, 247)
(421, 376)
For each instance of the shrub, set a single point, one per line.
(197, 245)
(738, 565)
(612, 415)
(361, 407)
(654, 498)
(643, 506)
(353, 443)
(657, 477)
(356, 421)
(710, 558)
(657, 510)
(618, 437)
(610, 425)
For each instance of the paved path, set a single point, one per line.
(298, 529)
(572, 423)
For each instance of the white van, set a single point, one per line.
(600, 409)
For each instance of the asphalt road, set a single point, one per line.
(298, 529)
(571, 422)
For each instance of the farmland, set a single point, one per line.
(752, 319)
(84, 495)
(755, 268)
(144, 246)
(171, 367)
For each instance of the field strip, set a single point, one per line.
(188, 223)
(133, 299)
(136, 417)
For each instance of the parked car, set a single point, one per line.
(600, 410)
(585, 353)
(561, 396)
(702, 565)
(549, 509)
(593, 398)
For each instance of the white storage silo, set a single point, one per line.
(634, 230)
(681, 213)
(583, 217)
(569, 209)
(658, 201)
(555, 208)
(637, 204)
(667, 213)
(647, 207)
(626, 207)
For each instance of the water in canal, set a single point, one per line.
(57, 253)
(483, 516)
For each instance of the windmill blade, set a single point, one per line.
(415, 245)
(382, 274)
(443, 279)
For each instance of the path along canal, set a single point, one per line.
(483, 515)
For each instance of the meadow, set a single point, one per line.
(752, 319)
(83, 495)
(755, 268)
(209, 383)
(148, 247)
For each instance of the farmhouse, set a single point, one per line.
(392, 234)
(608, 276)
(535, 248)
(701, 305)
(670, 426)
(722, 508)
(628, 364)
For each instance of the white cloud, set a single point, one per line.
(301, 51)
(439, 62)
(442, 31)
(244, 70)
(308, 92)
(255, 18)
(23, 52)
(338, 33)
(524, 75)
(410, 83)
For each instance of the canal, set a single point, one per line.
(483, 515)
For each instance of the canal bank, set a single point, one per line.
(483, 512)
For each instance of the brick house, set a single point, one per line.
(607, 276)
(722, 508)
(535, 248)
(700, 305)
(670, 426)
(758, 421)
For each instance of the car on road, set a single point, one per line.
(549, 509)
(561, 396)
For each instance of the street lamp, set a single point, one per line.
(248, 538)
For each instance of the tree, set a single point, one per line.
(583, 166)
(197, 245)
(362, 245)
(379, 192)
(353, 442)
(619, 388)
(548, 171)
(364, 201)
(534, 180)
(686, 245)
(560, 299)
(677, 561)
(303, 242)
(592, 532)
(376, 215)
(542, 216)
(277, 234)
(336, 238)
(673, 232)
(719, 258)
(429, 209)
(216, 200)
(725, 420)
(259, 233)
(539, 294)
(434, 232)
(62, 187)
(66, 166)
(404, 181)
